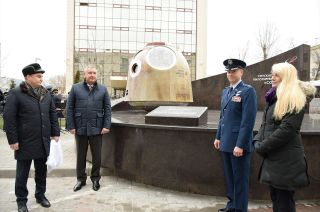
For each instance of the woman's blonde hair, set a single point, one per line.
(290, 96)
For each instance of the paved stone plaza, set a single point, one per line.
(115, 195)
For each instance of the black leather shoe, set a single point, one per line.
(79, 185)
(226, 210)
(44, 202)
(95, 185)
(22, 207)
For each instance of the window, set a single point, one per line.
(152, 8)
(124, 36)
(120, 28)
(120, 6)
(152, 30)
(100, 12)
(92, 12)
(180, 17)
(184, 10)
(184, 31)
(83, 11)
(124, 64)
(100, 35)
(133, 14)
(92, 21)
(116, 35)
(133, 23)
(86, 4)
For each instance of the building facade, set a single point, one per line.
(315, 63)
(108, 33)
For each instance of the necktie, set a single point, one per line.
(230, 90)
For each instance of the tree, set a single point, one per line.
(316, 60)
(58, 82)
(243, 52)
(12, 84)
(77, 77)
(267, 39)
(292, 43)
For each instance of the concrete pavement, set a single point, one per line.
(115, 195)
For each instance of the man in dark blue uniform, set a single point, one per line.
(234, 135)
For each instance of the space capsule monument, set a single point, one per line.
(158, 75)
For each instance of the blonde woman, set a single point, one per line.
(278, 141)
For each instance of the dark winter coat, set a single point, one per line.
(30, 120)
(279, 143)
(88, 111)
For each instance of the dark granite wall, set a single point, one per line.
(206, 92)
(184, 159)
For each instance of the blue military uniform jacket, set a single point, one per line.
(237, 118)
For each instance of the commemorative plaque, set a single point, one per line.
(178, 115)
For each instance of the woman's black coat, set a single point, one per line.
(279, 143)
(30, 121)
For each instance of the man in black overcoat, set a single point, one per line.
(30, 122)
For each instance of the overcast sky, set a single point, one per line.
(31, 29)
(233, 23)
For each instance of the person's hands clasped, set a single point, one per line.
(237, 152)
(104, 131)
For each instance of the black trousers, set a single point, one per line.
(22, 174)
(282, 200)
(82, 143)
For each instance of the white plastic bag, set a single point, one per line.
(55, 157)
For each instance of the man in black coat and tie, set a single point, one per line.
(88, 118)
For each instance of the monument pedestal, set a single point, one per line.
(178, 115)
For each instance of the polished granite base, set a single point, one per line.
(183, 158)
(178, 115)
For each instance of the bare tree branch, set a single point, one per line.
(292, 43)
(243, 51)
(267, 38)
(316, 60)
(58, 82)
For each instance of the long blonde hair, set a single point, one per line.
(290, 96)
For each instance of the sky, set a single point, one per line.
(232, 24)
(35, 30)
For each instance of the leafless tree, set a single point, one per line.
(267, 38)
(2, 61)
(243, 51)
(292, 43)
(58, 82)
(316, 60)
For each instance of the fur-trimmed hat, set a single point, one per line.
(33, 68)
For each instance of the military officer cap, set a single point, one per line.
(33, 68)
(233, 64)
